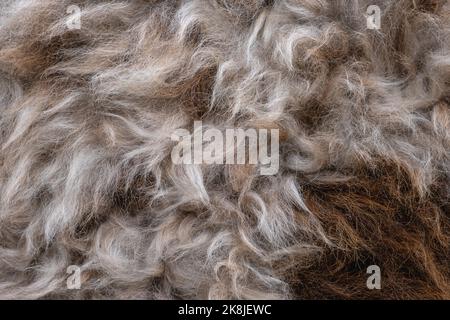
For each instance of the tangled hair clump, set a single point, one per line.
(86, 177)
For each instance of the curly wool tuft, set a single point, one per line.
(86, 177)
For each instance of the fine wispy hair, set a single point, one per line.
(86, 177)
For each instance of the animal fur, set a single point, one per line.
(86, 176)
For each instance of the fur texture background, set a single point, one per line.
(85, 171)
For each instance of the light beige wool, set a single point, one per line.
(86, 177)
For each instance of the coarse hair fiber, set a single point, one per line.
(86, 177)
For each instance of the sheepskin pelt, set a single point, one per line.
(87, 179)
